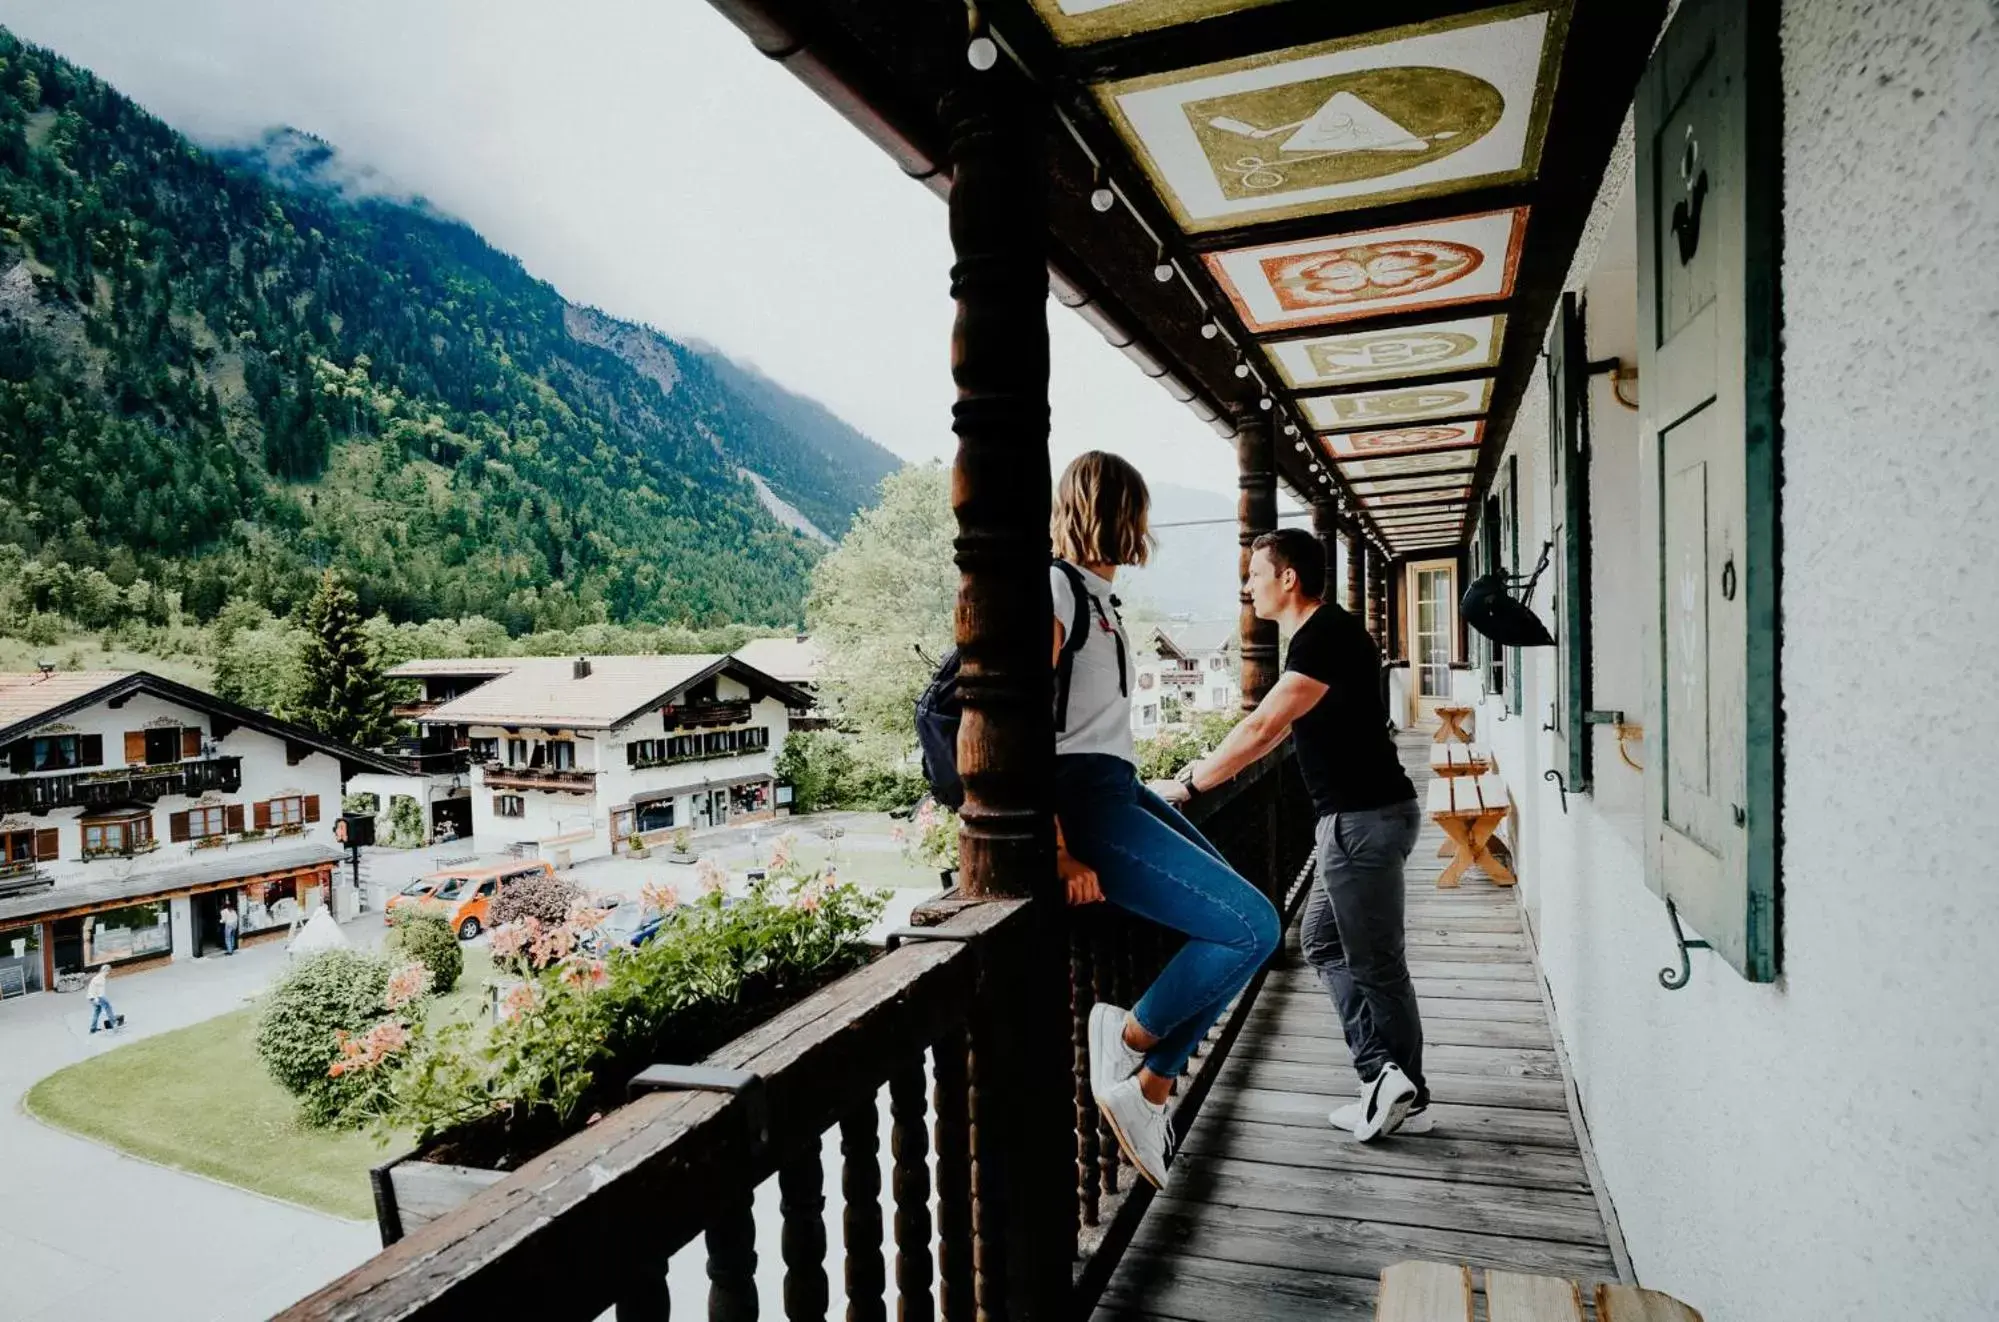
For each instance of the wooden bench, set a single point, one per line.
(1455, 759)
(1470, 809)
(1442, 1292)
(1451, 725)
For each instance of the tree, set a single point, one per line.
(890, 589)
(345, 695)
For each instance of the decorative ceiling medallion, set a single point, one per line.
(1405, 440)
(1403, 112)
(1416, 498)
(1372, 408)
(1416, 482)
(1408, 465)
(1313, 282)
(1347, 360)
(1079, 22)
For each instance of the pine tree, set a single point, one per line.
(345, 695)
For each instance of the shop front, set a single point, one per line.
(20, 960)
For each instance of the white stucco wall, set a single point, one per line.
(1822, 1148)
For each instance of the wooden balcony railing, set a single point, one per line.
(89, 789)
(924, 1037)
(572, 779)
(696, 714)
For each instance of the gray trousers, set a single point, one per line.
(1352, 936)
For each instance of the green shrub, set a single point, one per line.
(545, 897)
(824, 771)
(298, 1033)
(405, 821)
(428, 939)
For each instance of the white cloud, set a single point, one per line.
(642, 157)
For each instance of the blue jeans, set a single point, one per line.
(1150, 861)
(100, 1009)
(228, 940)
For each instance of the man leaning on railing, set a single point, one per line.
(1329, 701)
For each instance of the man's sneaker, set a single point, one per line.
(1385, 1103)
(1418, 1121)
(1111, 1061)
(1143, 1130)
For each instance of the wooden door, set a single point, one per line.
(1432, 591)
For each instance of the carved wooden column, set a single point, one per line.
(1351, 599)
(1326, 527)
(1371, 591)
(1256, 514)
(1022, 1108)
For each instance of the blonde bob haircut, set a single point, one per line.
(1101, 508)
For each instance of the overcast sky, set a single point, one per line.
(641, 156)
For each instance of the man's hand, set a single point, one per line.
(1078, 877)
(1172, 791)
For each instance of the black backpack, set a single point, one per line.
(938, 709)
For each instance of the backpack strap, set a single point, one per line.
(1123, 681)
(1073, 639)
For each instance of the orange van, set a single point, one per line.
(463, 897)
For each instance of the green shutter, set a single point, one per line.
(1568, 491)
(1709, 167)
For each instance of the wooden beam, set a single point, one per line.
(1256, 514)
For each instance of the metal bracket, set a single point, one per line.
(1667, 978)
(1561, 784)
(902, 934)
(1603, 718)
(711, 1078)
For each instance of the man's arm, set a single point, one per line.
(1256, 734)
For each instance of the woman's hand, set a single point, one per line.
(1172, 792)
(1078, 877)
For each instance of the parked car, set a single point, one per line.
(463, 896)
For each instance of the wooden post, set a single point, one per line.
(1023, 1170)
(1256, 514)
(1326, 527)
(1352, 599)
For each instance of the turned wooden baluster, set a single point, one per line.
(1352, 598)
(732, 1258)
(954, 1177)
(1089, 1182)
(861, 1226)
(801, 1184)
(910, 1183)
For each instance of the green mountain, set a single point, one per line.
(222, 372)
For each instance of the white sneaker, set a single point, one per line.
(1143, 1130)
(1418, 1121)
(1111, 1061)
(1384, 1104)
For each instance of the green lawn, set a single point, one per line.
(200, 1100)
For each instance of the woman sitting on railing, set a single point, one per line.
(1117, 840)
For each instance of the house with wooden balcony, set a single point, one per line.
(1669, 324)
(132, 807)
(798, 660)
(1185, 667)
(569, 758)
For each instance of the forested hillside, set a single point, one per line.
(218, 375)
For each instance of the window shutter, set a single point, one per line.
(1568, 463)
(232, 817)
(263, 815)
(1709, 170)
(190, 743)
(312, 807)
(177, 826)
(135, 746)
(90, 751)
(48, 844)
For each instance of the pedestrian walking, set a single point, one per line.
(229, 921)
(1329, 701)
(100, 1004)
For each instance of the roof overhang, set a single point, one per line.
(1426, 181)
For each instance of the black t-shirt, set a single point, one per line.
(1345, 750)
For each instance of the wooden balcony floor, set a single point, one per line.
(1274, 1214)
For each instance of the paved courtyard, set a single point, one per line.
(88, 1232)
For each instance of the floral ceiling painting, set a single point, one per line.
(1308, 282)
(1399, 113)
(1440, 461)
(1395, 441)
(1440, 348)
(1375, 408)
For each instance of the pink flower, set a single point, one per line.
(405, 985)
(808, 899)
(926, 816)
(518, 1001)
(713, 879)
(780, 854)
(659, 898)
(588, 974)
(508, 940)
(370, 1048)
(896, 834)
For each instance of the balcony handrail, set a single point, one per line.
(650, 1176)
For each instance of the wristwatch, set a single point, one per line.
(1186, 779)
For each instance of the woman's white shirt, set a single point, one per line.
(1099, 714)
